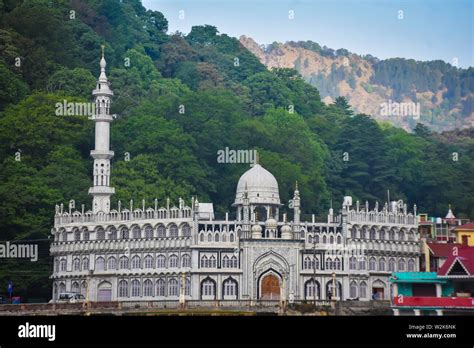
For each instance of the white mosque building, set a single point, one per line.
(171, 253)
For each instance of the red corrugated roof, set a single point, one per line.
(442, 249)
(465, 256)
(469, 226)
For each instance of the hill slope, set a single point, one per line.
(445, 93)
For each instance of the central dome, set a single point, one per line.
(261, 186)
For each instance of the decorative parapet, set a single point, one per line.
(122, 215)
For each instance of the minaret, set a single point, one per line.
(296, 209)
(101, 191)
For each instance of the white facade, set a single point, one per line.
(161, 253)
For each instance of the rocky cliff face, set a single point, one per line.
(340, 73)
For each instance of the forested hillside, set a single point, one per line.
(445, 93)
(49, 52)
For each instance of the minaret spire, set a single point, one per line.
(101, 190)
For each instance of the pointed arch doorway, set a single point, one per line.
(270, 287)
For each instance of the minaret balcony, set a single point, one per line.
(102, 117)
(104, 90)
(101, 190)
(102, 154)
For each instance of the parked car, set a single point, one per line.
(70, 297)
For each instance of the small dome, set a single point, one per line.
(103, 64)
(271, 223)
(260, 185)
(286, 229)
(256, 228)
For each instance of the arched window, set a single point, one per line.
(411, 265)
(391, 265)
(352, 263)
(62, 287)
(75, 287)
(362, 263)
(311, 289)
(124, 233)
(331, 240)
(173, 230)
(382, 264)
(212, 262)
(136, 232)
(76, 264)
(112, 263)
(186, 230)
(123, 288)
(161, 231)
(136, 262)
(85, 264)
(83, 288)
(230, 288)
(123, 262)
(224, 237)
(148, 288)
(148, 232)
(148, 261)
(401, 235)
(216, 237)
(310, 239)
(160, 287)
(77, 235)
(113, 233)
(186, 261)
(411, 236)
(391, 235)
(372, 264)
(307, 263)
(324, 239)
(339, 240)
(354, 232)
(100, 234)
(187, 289)
(135, 288)
(63, 265)
(208, 288)
(100, 264)
(173, 287)
(337, 264)
(233, 262)
(353, 289)
(363, 290)
(401, 265)
(372, 233)
(328, 263)
(382, 234)
(173, 261)
(363, 232)
(204, 262)
(209, 237)
(161, 261)
(85, 235)
(225, 261)
(201, 237)
(231, 238)
(64, 235)
(316, 263)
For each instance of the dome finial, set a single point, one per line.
(103, 47)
